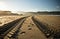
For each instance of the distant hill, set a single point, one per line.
(51, 13)
(29, 13)
(7, 13)
(45, 12)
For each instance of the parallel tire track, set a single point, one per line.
(48, 32)
(10, 27)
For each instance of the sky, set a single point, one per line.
(30, 5)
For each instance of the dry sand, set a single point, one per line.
(52, 21)
(7, 19)
(30, 31)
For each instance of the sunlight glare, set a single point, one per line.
(3, 6)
